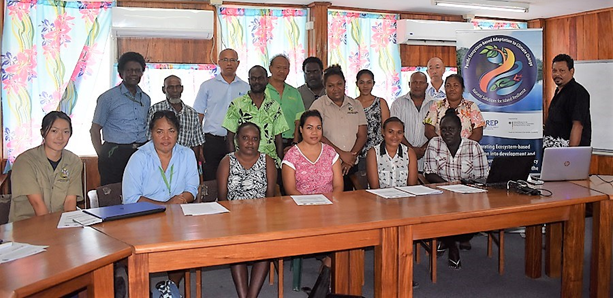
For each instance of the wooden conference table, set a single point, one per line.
(76, 258)
(600, 265)
(276, 227)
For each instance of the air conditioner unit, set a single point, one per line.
(162, 23)
(435, 33)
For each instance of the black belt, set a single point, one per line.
(214, 136)
(131, 146)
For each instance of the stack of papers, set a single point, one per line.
(304, 200)
(460, 188)
(203, 208)
(404, 191)
(75, 219)
(420, 190)
(390, 193)
(11, 251)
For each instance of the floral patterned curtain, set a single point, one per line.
(494, 24)
(366, 40)
(260, 34)
(50, 52)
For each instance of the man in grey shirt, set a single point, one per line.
(313, 87)
(412, 108)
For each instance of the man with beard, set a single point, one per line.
(190, 130)
(121, 115)
(568, 120)
(258, 108)
(212, 101)
(313, 88)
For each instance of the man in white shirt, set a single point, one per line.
(435, 69)
(212, 102)
(412, 108)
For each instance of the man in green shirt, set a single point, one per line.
(287, 96)
(260, 109)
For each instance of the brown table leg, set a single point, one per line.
(574, 235)
(356, 271)
(340, 270)
(534, 254)
(405, 261)
(553, 251)
(138, 275)
(600, 265)
(386, 264)
(103, 282)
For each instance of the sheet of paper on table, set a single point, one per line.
(11, 251)
(203, 208)
(304, 200)
(461, 188)
(390, 193)
(77, 219)
(420, 190)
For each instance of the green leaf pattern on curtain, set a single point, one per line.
(371, 44)
(48, 48)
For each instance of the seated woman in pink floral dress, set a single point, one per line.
(311, 167)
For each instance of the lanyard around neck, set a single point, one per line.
(166, 181)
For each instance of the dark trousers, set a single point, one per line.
(214, 149)
(112, 161)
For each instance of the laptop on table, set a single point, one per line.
(505, 168)
(125, 211)
(565, 163)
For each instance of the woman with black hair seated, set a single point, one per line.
(449, 157)
(47, 178)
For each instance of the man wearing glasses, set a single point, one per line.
(212, 102)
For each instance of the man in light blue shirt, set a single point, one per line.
(212, 102)
(121, 115)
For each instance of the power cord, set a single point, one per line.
(605, 181)
(522, 187)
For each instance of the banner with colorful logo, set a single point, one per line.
(503, 74)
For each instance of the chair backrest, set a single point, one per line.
(359, 180)
(109, 195)
(207, 192)
(5, 207)
(92, 199)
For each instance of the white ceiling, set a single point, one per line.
(538, 8)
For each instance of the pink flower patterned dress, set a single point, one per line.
(312, 177)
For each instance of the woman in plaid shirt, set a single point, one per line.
(449, 157)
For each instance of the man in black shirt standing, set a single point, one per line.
(568, 121)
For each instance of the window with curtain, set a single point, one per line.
(259, 34)
(192, 76)
(52, 56)
(496, 24)
(366, 40)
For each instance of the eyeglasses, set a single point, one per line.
(226, 60)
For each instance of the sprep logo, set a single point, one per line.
(491, 123)
(499, 70)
